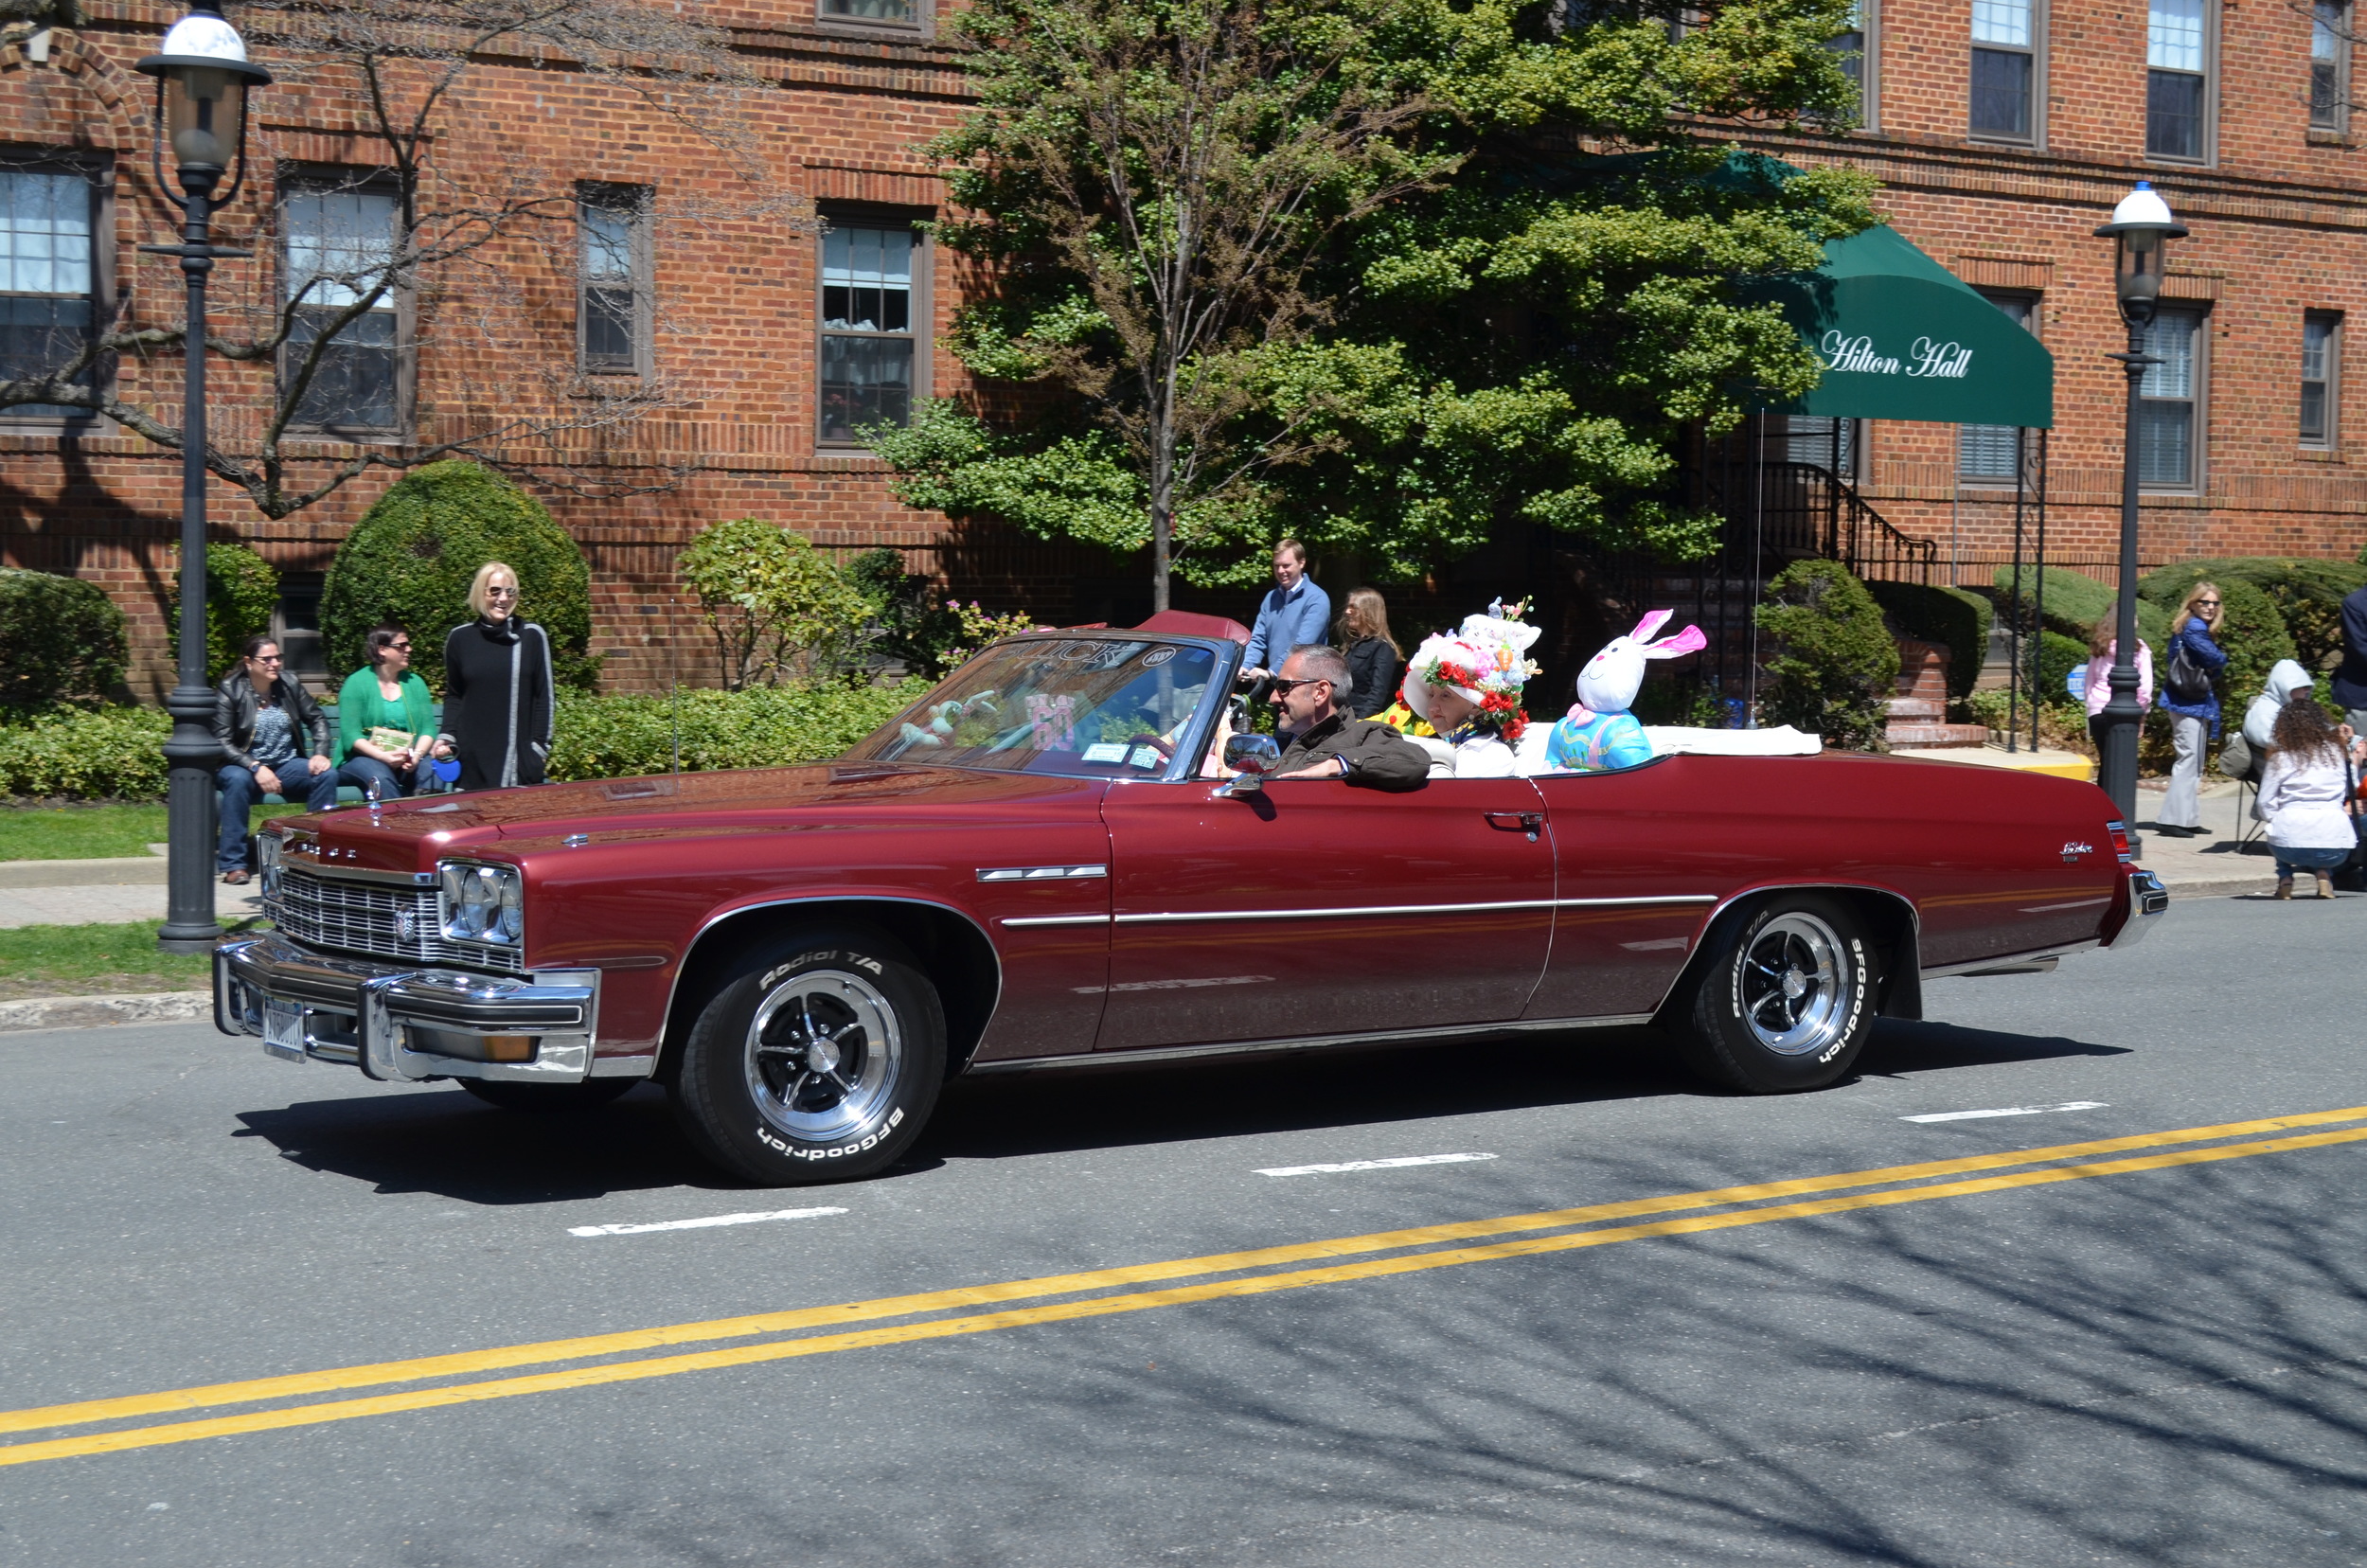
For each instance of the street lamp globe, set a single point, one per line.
(2142, 229)
(201, 76)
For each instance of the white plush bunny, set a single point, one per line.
(1599, 731)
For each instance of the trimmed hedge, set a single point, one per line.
(2052, 658)
(2251, 631)
(242, 591)
(760, 727)
(2307, 594)
(84, 754)
(62, 640)
(2074, 602)
(1836, 665)
(410, 560)
(1955, 619)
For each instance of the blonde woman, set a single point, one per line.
(2194, 713)
(497, 687)
(1375, 660)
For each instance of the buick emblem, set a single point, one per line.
(2074, 850)
(407, 925)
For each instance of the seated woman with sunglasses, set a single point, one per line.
(385, 719)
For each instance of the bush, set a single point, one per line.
(2307, 594)
(2251, 631)
(1957, 620)
(62, 640)
(410, 561)
(242, 591)
(2074, 602)
(84, 754)
(1836, 666)
(2050, 660)
(760, 727)
(914, 629)
(777, 607)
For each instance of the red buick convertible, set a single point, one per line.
(1027, 871)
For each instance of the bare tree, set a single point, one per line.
(469, 214)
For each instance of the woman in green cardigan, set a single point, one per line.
(386, 721)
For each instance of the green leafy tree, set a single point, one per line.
(411, 557)
(242, 591)
(910, 626)
(1272, 260)
(2307, 594)
(1834, 667)
(777, 607)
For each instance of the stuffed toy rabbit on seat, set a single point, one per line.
(1599, 733)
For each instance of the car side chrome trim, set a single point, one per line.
(1359, 909)
(1621, 903)
(1053, 919)
(1304, 1042)
(1040, 873)
(2003, 960)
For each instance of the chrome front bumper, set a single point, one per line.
(407, 1025)
(2147, 899)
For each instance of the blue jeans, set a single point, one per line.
(2290, 861)
(240, 790)
(362, 772)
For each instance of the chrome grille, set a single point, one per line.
(369, 919)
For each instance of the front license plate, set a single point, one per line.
(283, 1029)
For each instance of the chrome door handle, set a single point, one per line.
(1518, 822)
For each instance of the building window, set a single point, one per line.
(613, 279)
(1829, 444)
(1857, 48)
(2321, 341)
(47, 284)
(868, 314)
(2169, 402)
(2006, 69)
(894, 13)
(2330, 66)
(1989, 455)
(340, 246)
(2177, 80)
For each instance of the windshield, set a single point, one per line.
(1097, 708)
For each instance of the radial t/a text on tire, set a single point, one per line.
(1786, 998)
(817, 1058)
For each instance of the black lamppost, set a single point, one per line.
(201, 78)
(2142, 229)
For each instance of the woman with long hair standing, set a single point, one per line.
(1375, 660)
(2103, 644)
(2194, 713)
(2304, 793)
(498, 697)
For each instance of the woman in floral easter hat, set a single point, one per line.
(1466, 684)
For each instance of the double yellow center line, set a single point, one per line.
(1103, 1293)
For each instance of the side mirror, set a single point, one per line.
(1252, 757)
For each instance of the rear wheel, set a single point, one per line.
(819, 1059)
(1785, 1002)
(588, 1095)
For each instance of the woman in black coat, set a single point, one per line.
(497, 687)
(1375, 660)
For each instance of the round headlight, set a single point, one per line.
(513, 911)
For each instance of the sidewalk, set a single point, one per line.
(90, 892)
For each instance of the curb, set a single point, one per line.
(90, 1012)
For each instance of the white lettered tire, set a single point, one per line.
(1786, 1001)
(817, 1059)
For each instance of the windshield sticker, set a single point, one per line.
(1157, 656)
(1145, 756)
(1053, 719)
(1071, 652)
(1106, 751)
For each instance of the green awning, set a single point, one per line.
(1902, 338)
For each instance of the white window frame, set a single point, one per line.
(920, 328)
(630, 202)
(23, 421)
(2198, 431)
(2208, 131)
(919, 24)
(1869, 67)
(2334, 116)
(398, 303)
(2029, 300)
(2328, 381)
(2036, 52)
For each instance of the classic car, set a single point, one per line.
(1029, 869)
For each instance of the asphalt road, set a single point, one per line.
(2149, 1354)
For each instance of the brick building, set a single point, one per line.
(2004, 131)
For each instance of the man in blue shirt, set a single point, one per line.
(1293, 614)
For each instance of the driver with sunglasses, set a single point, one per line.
(1321, 739)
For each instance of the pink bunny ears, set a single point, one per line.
(1690, 640)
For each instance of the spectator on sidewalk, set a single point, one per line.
(2350, 676)
(1375, 660)
(498, 691)
(2194, 715)
(385, 719)
(1294, 612)
(2104, 647)
(275, 740)
(2303, 793)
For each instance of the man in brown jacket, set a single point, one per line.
(1322, 741)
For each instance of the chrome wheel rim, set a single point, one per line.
(823, 1055)
(1793, 985)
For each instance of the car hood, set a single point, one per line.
(410, 835)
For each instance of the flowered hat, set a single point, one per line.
(1485, 660)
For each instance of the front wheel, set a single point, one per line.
(819, 1059)
(1786, 1003)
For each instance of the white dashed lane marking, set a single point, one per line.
(1373, 1164)
(2008, 1111)
(700, 1224)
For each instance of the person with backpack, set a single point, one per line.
(2192, 702)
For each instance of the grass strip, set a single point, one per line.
(90, 960)
(91, 832)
